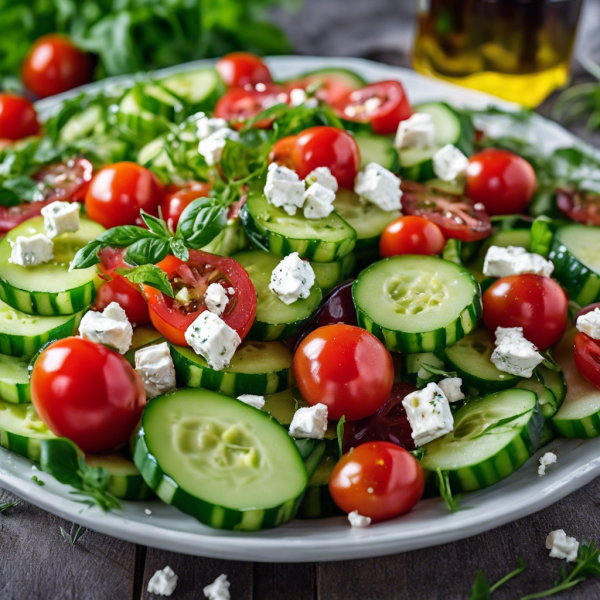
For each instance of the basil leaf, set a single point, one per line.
(147, 251)
(481, 588)
(178, 248)
(87, 256)
(24, 188)
(149, 275)
(239, 161)
(8, 198)
(273, 112)
(156, 225)
(60, 459)
(201, 222)
(122, 236)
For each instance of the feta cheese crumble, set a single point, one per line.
(210, 337)
(284, 189)
(109, 327)
(310, 422)
(357, 520)
(548, 459)
(252, 400)
(428, 413)
(514, 354)
(379, 186)
(147, 511)
(451, 388)
(61, 217)
(449, 163)
(216, 298)
(163, 582)
(206, 126)
(32, 251)
(514, 260)
(324, 176)
(418, 131)
(318, 201)
(155, 366)
(218, 589)
(211, 147)
(562, 546)
(292, 279)
(589, 323)
(298, 97)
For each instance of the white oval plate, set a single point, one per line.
(332, 539)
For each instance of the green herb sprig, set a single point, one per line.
(482, 590)
(452, 502)
(72, 538)
(6, 506)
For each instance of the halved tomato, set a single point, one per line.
(173, 316)
(582, 207)
(331, 87)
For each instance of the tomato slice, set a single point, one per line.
(331, 90)
(587, 358)
(582, 207)
(457, 216)
(172, 317)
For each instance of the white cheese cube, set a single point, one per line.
(548, 459)
(216, 298)
(514, 260)
(211, 147)
(428, 413)
(590, 324)
(379, 186)
(318, 201)
(210, 337)
(309, 422)
(284, 189)
(218, 589)
(252, 400)
(109, 327)
(163, 582)
(61, 217)
(514, 354)
(358, 520)
(292, 279)
(451, 388)
(155, 366)
(418, 131)
(324, 176)
(206, 126)
(562, 546)
(32, 251)
(449, 163)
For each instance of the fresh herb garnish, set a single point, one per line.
(72, 538)
(6, 506)
(148, 275)
(452, 502)
(340, 435)
(35, 479)
(482, 589)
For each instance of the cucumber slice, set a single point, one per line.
(275, 320)
(576, 256)
(231, 239)
(317, 502)
(258, 368)
(23, 335)
(83, 124)
(414, 362)
(365, 218)
(450, 126)
(283, 405)
(417, 303)
(493, 436)
(456, 187)
(416, 164)
(555, 382)
(319, 240)
(125, 480)
(14, 379)
(548, 434)
(201, 88)
(225, 463)
(378, 149)
(143, 335)
(329, 275)
(349, 79)
(50, 288)
(471, 359)
(21, 430)
(545, 397)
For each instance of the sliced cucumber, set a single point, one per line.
(545, 397)
(83, 124)
(493, 436)
(50, 288)
(555, 382)
(346, 78)
(414, 362)
(143, 335)
(275, 320)
(283, 405)
(378, 149)
(576, 256)
(471, 359)
(223, 462)
(417, 303)
(450, 126)
(319, 240)
(456, 187)
(14, 379)
(125, 481)
(21, 430)
(328, 275)
(256, 368)
(23, 335)
(230, 240)
(416, 164)
(317, 502)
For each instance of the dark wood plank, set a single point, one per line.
(289, 581)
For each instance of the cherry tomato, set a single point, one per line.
(239, 105)
(177, 199)
(320, 146)
(587, 358)
(243, 68)
(378, 479)
(411, 235)
(457, 216)
(128, 297)
(502, 181)
(383, 105)
(18, 118)
(581, 206)
(87, 393)
(172, 316)
(331, 89)
(535, 303)
(346, 368)
(118, 192)
(54, 65)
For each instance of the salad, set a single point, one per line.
(262, 300)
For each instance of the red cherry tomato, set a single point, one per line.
(172, 317)
(502, 181)
(239, 105)
(411, 235)
(18, 118)
(54, 65)
(128, 297)
(332, 88)
(118, 192)
(378, 479)
(587, 358)
(535, 303)
(581, 206)
(243, 68)
(87, 393)
(383, 105)
(346, 368)
(177, 199)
